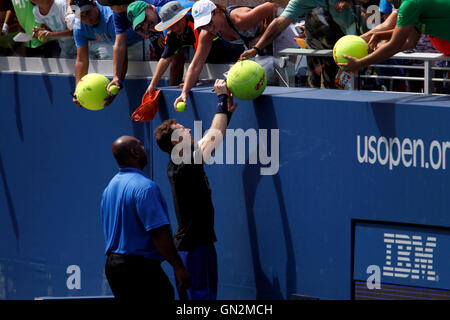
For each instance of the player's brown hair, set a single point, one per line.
(163, 135)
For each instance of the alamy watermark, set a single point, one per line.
(374, 16)
(74, 279)
(239, 144)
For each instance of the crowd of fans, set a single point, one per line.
(123, 30)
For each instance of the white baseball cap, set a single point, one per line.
(201, 12)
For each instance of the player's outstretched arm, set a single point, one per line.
(225, 108)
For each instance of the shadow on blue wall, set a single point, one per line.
(384, 115)
(12, 211)
(265, 289)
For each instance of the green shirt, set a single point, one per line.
(431, 17)
(25, 16)
(346, 20)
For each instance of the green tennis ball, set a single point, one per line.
(247, 80)
(350, 45)
(114, 90)
(181, 106)
(41, 38)
(91, 91)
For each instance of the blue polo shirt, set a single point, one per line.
(131, 206)
(104, 31)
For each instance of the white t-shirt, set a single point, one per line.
(55, 21)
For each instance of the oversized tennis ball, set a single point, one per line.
(247, 80)
(114, 90)
(350, 45)
(181, 106)
(91, 91)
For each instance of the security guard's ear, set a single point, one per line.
(134, 152)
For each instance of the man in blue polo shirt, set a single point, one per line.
(137, 230)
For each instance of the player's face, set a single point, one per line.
(184, 132)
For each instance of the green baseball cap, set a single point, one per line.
(136, 12)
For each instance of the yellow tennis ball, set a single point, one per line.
(114, 90)
(181, 106)
(247, 80)
(350, 45)
(91, 91)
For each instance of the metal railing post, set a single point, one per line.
(355, 83)
(427, 85)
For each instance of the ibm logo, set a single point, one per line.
(409, 256)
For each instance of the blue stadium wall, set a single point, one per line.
(290, 233)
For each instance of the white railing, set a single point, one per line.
(136, 69)
(286, 65)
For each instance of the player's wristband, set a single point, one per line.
(222, 106)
